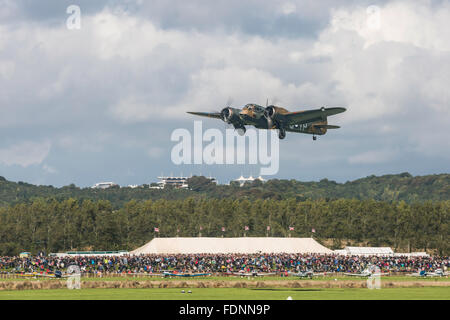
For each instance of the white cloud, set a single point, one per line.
(6, 69)
(25, 153)
(155, 152)
(368, 70)
(49, 169)
(9, 9)
(131, 110)
(288, 8)
(377, 71)
(372, 157)
(95, 89)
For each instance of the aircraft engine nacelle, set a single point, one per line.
(229, 115)
(271, 114)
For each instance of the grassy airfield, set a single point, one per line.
(227, 288)
(425, 293)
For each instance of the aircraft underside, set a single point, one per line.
(272, 117)
(307, 128)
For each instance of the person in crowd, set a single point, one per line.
(222, 263)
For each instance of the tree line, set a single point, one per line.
(51, 225)
(388, 188)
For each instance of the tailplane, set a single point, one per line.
(326, 126)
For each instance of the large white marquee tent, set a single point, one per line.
(245, 245)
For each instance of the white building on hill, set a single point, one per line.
(177, 182)
(250, 179)
(104, 185)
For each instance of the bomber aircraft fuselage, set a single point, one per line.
(273, 117)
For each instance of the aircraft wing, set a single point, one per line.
(27, 275)
(310, 275)
(319, 274)
(215, 115)
(200, 274)
(241, 274)
(357, 274)
(434, 274)
(190, 274)
(264, 274)
(297, 274)
(307, 116)
(30, 275)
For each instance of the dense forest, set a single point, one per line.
(54, 226)
(400, 187)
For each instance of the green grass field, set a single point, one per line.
(425, 293)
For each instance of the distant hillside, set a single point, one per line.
(384, 188)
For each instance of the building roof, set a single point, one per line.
(369, 250)
(245, 245)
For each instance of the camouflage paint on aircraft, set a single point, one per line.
(273, 117)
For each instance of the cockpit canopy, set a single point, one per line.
(253, 107)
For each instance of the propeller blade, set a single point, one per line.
(269, 123)
(268, 118)
(229, 101)
(275, 100)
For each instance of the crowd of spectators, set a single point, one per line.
(223, 263)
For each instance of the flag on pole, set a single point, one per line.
(313, 230)
(246, 228)
(291, 228)
(268, 228)
(223, 229)
(156, 229)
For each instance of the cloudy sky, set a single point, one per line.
(99, 103)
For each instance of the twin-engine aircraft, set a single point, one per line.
(272, 117)
(253, 273)
(366, 273)
(307, 274)
(422, 273)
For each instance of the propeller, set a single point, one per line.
(275, 100)
(226, 112)
(269, 123)
(268, 113)
(229, 102)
